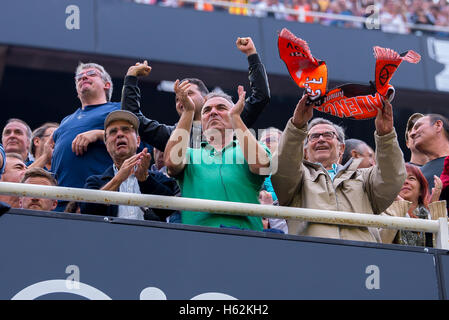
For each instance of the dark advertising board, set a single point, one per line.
(74, 257)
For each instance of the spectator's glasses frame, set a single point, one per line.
(90, 73)
(327, 135)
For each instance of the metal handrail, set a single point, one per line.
(440, 227)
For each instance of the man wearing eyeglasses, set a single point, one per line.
(321, 183)
(129, 173)
(79, 150)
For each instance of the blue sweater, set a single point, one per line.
(71, 170)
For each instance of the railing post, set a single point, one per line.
(442, 241)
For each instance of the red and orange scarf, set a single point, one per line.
(353, 101)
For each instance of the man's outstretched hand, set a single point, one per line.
(303, 112)
(384, 119)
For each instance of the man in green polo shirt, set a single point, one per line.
(223, 168)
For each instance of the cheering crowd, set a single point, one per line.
(211, 153)
(394, 15)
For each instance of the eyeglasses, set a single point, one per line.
(90, 73)
(125, 129)
(327, 135)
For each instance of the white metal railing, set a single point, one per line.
(372, 21)
(440, 227)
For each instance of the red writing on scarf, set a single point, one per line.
(361, 107)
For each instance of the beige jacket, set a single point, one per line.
(300, 183)
(399, 208)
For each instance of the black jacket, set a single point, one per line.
(158, 134)
(157, 183)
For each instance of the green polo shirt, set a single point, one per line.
(223, 176)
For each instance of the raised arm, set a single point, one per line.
(176, 149)
(150, 131)
(45, 157)
(258, 80)
(386, 178)
(255, 155)
(288, 169)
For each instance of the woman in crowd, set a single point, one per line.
(415, 202)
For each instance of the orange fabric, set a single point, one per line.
(306, 8)
(306, 71)
(353, 101)
(387, 61)
(204, 6)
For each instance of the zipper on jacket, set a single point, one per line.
(335, 193)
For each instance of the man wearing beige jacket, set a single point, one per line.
(321, 183)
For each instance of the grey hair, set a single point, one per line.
(352, 144)
(28, 129)
(339, 129)
(219, 95)
(104, 75)
(265, 132)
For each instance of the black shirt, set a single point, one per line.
(431, 168)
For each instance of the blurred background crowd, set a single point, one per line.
(396, 16)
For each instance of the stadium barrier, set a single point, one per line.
(439, 227)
